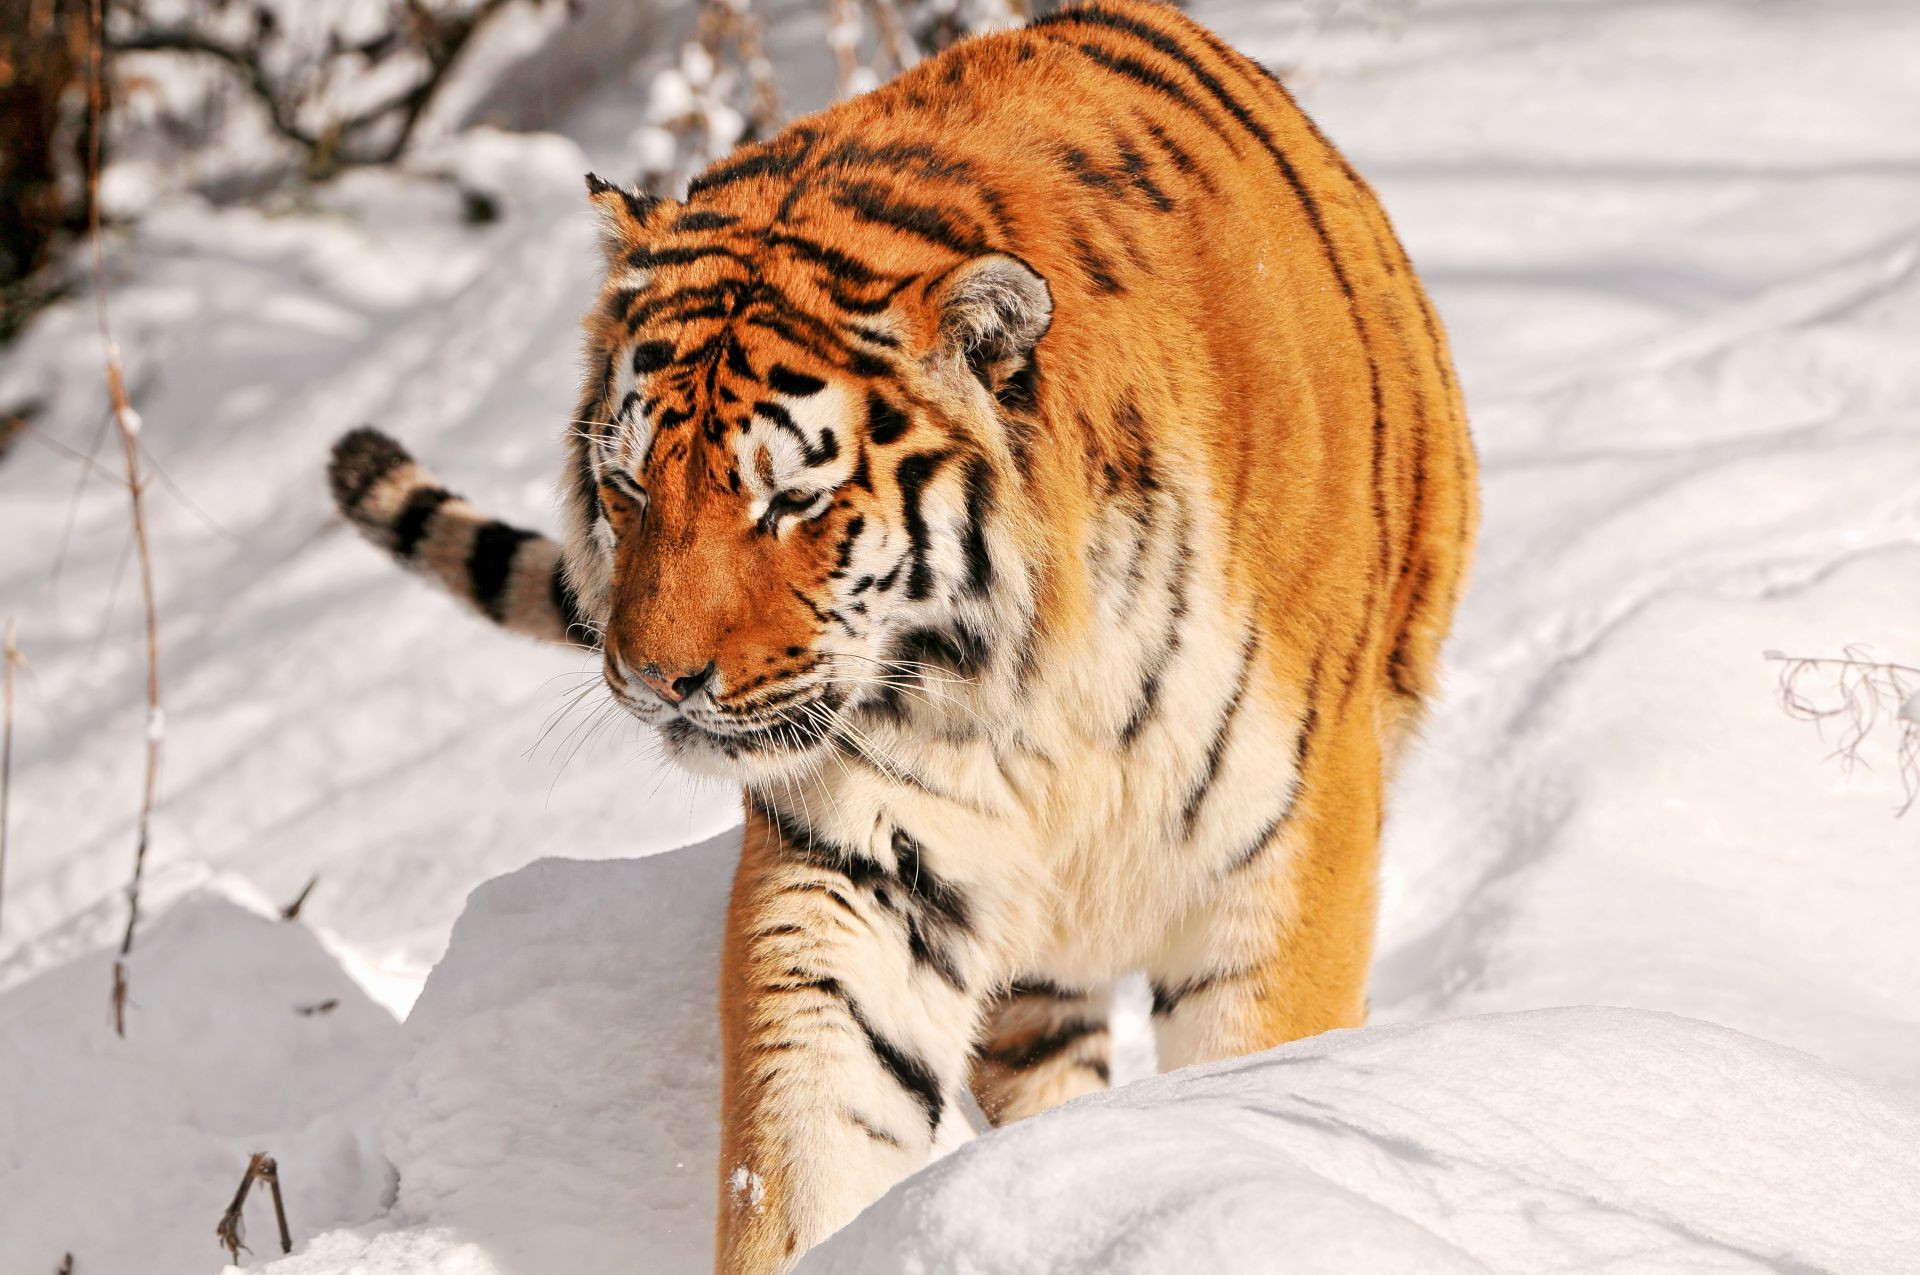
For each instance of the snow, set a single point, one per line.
(1590, 1139)
(103, 1140)
(1677, 250)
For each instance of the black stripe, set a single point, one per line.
(1145, 76)
(1177, 154)
(755, 164)
(586, 483)
(1244, 857)
(937, 957)
(827, 349)
(979, 505)
(410, 525)
(820, 887)
(845, 267)
(875, 335)
(572, 619)
(1170, 644)
(1044, 1048)
(813, 453)
(885, 422)
(843, 554)
(651, 356)
(939, 897)
(874, 203)
(806, 846)
(915, 158)
(737, 361)
(867, 1127)
(1081, 166)
(1099, 270)
(1217, 750)
(1167, 996)
(1397, 659)
(490, 565)
(704, 219)
(913, 475)
(1043, 989)
(1136, 168)
(619, 299)
(654, 258)
(961, 649)
(909, 1071)
(785, 380)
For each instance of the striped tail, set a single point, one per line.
(515, 578)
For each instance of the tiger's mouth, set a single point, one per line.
(708, 744)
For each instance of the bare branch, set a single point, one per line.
(1856, 695)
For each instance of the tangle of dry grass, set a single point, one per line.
(1857, 696)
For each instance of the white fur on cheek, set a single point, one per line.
(829, 413)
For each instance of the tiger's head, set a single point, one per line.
(788, 500)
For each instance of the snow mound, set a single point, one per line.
(249, 1037)
(558, 1110)
(1589, 1139)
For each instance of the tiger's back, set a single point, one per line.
(1058, 439)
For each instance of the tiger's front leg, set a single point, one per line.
(846, 1026)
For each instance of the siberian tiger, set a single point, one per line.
(1041, 482)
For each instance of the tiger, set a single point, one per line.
(1042, 484)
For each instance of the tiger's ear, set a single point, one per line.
(623, 217)
(993, 311)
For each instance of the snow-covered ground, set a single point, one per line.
(1678, 247)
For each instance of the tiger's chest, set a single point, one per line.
(1086, 836)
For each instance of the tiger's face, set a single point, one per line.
(790, 503)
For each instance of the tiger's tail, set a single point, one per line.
(513, 577)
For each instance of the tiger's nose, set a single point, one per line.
(674, 686)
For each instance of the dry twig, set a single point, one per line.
(127, 422)
(232, 1227)
(1857, 694)
(291, 912)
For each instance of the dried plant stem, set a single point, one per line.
(232, 1229)
(291, 912)
(127, 422)
(12, 657)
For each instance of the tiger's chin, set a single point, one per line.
(746, 757)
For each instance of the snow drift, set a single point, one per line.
(1565, 1139)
